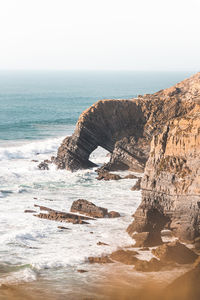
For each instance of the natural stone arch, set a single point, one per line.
(103, 124)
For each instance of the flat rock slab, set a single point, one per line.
(61, 216)
(99, 260)
(130, 176)
(30, 211)
(102, 244)
(63, 228)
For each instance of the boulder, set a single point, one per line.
(113, 214)
(90, 209)
(105, 175)
(43, 166)
(153, 265)
(175, 252)
(124, 256)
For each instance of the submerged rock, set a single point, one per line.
(43, 166)
(81, 271)
(99, 260)
(102, 244)
(30, 211)
(104, 175)
(63, 228)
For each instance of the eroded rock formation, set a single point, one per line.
(160, 131)
(171, 182)
(126, 127)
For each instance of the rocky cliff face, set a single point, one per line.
(125, 127)
(160, 131)
(171, 182)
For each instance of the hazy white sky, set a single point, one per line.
(100, 34)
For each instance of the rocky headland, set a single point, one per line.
(158, 136)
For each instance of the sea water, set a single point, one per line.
(37, 110)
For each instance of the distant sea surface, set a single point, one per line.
(37, 105)
(37, 110)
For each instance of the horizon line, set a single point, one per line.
(97, 70)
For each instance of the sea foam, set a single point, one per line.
(28, 150)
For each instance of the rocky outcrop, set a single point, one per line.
(125, 127)
(158, 132)
(153, 265)
(90, 209)
(59, 216)
(126, 257)
(175, 252)
(171, 182)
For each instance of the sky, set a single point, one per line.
(160, 35)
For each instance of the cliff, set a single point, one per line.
(159, 133)
(171, 181)
(125, 127)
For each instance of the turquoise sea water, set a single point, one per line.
(37, 105)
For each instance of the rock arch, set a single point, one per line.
(103, 124)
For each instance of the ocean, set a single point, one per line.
(37, 110)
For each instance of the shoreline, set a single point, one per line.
(111, 286)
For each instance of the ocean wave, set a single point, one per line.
(25, 275)
(31, 149)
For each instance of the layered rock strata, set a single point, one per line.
(158, 132)
(171, 182)
(125, 127)
(59, 216)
